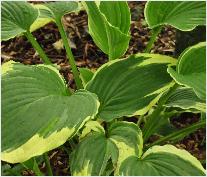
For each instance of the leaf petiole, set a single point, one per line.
(38, 48)
(47, 162)
(69, 54)
(155, 33)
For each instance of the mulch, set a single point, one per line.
(87, 54)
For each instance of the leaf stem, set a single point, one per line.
(36, 168)
(178, 133)
(69, 54)
(141, 118)
(38, 48)
(47, 162)
(154, 33)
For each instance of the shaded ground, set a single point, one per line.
(88, 55)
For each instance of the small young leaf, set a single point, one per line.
(109, 24)
(17, 17)
(37, 113)
(191, 69)
(185, 98)
(131, 86)
(162, 161)
(90, 157)
(86, 75)
(183, 15)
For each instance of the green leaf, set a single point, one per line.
(191, 69)
(94, 151)
(17, 17)
(109, 24)
(37, 113)
(183, 15)
(162, 161)
(59, 9)
(131, 86)
(85, 75)
(46, 12)
(185, 98)
(44, 18)
(16, 170)
(180, 134)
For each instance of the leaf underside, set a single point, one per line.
(183, 15)
(17, 17)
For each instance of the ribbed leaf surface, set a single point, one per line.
(191, 69)
(44, 17)
(130, 86)
(37, 113)
(109, 24)
(162, 161)
(17, 17)
(59, 9)
(93, 152)
(185, 98)
(183, 15)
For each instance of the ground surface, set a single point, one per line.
(88, 55)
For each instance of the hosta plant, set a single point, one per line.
(40, 113)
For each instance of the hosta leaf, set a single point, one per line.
(185, 98)
(183, 15)
(59, 9)
(131, 86)
(162, 161)
(191, 69)
(109, 24)
(17, 17)
(90, 157)
(44, 17)
(37, 113)
(86, 75)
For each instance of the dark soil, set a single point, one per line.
(87, 54)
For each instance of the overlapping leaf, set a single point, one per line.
(191, 69)
(162, 161)
(122, 143)
(109, 24)
(132, 85)
(44, 17)
(86, 75)
(59, 9)
(185, 98)
(17, 17)
(37, 113)
(183, 15)
(93, 152)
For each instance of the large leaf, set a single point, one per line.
(131, 86)
(185, 98)
(191, 69)
(37, 113)
(109, 24)
(90, 157)
(183, 15)
(17, 17)
(162, 161)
